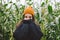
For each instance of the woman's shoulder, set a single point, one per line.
(37, 24)
(18, 23)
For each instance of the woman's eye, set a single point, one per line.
(29, 16)
(25, 16)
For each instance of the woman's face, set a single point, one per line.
(27, 16)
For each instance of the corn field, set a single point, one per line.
(46, 14)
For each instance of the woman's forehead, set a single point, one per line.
(28, 14)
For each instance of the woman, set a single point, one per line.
(27, 29)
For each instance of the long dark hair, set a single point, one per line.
(20, 22)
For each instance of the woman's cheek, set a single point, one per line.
(26, 18)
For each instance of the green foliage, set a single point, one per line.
(42, 4)
(8, 20)
(49, 23)
(47, 1)
(50, 9)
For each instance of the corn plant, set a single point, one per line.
(8, 20)
(49, 21)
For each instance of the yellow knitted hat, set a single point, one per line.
(29, 10)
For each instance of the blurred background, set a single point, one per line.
(47, 13)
